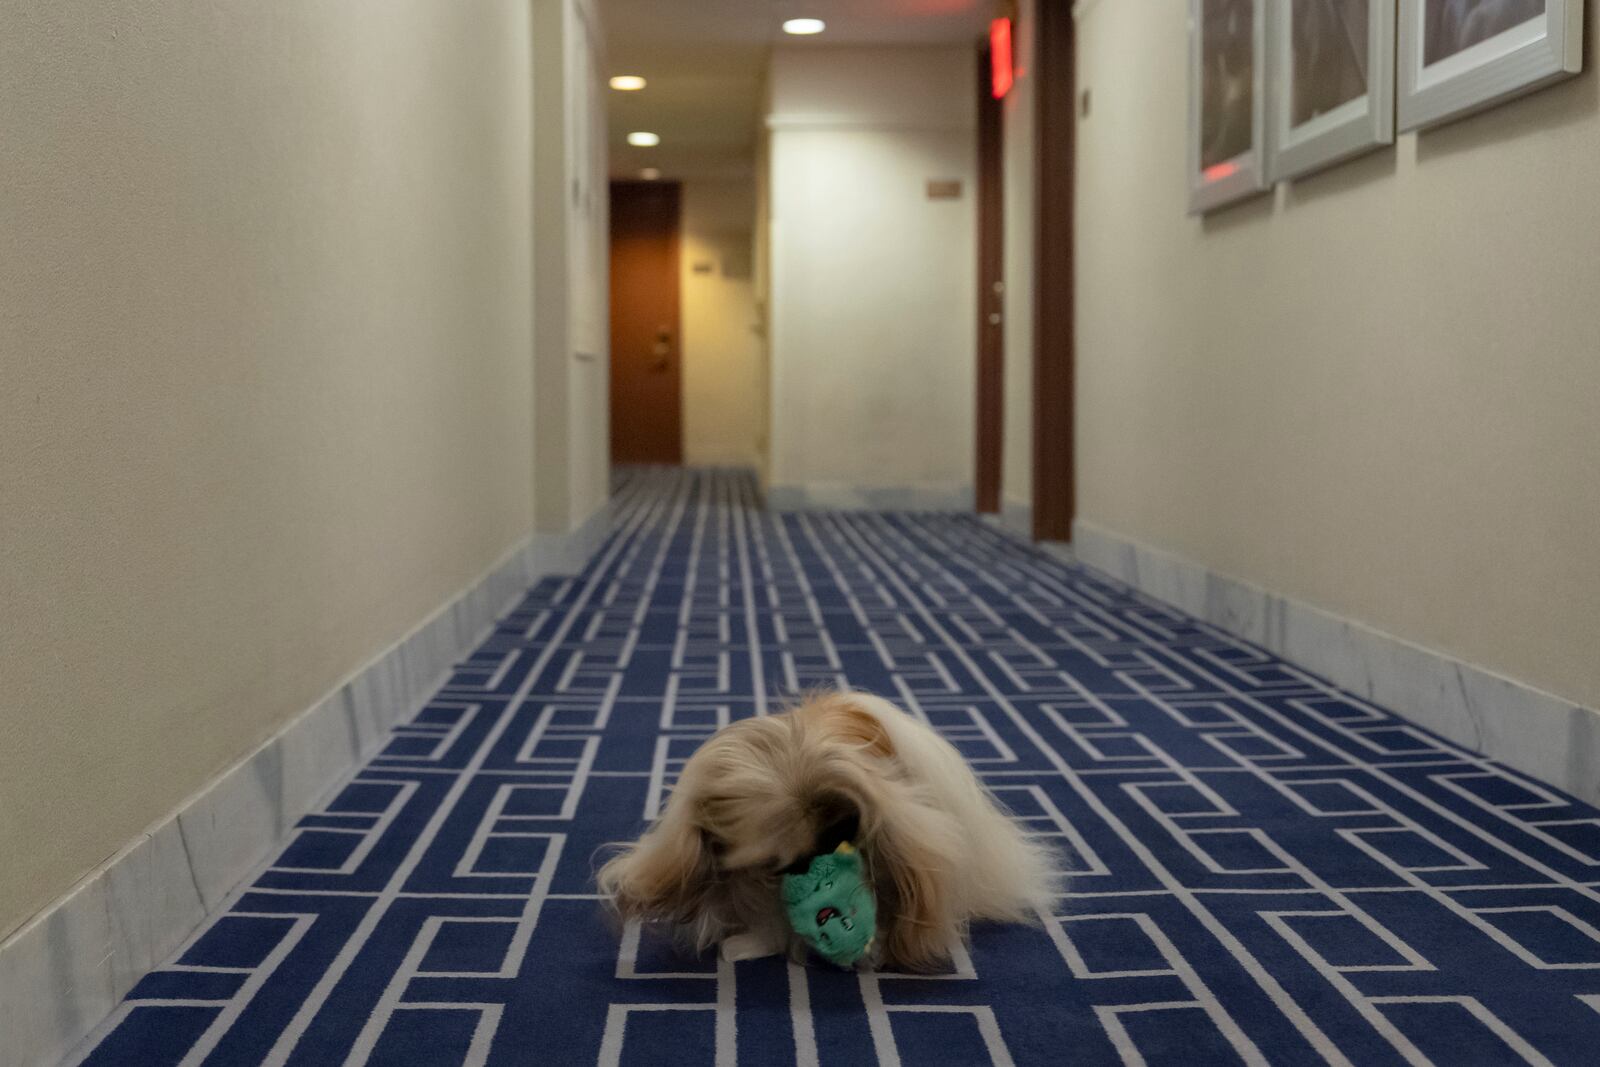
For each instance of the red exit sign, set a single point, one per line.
(1001, 73)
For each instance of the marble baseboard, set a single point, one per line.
(731, 457)
(68, 968)
(832, 497)
(1014, 519)
(1541, 735)
(1017, 517)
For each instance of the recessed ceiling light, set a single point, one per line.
(628, 83)
(804, 27)
(642, 139)
(650, 174)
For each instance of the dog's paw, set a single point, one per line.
(748, 947)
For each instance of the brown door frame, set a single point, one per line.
(668, 350)
(1054, 484)
(990, 426)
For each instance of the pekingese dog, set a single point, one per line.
(763, 796)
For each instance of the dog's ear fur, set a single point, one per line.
(666, 873)
(914, 852)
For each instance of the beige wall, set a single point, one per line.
(571, 266)
(873, 327)
(265, 353)
(1377, 391)
(722, 402)
(1016, 480)
(761, 245)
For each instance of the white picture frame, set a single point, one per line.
(1303, 138)
(1214, 180)
(1439, 83)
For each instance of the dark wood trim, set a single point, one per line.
(1054, 487)
(991, 399)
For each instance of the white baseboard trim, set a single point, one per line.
(835, 497)
(69, 967)
(1541, 735)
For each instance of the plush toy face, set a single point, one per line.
(832, 908)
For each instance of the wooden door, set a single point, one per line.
(991, 290)
(1054, 485)
(646, 371)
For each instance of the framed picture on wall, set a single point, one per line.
(1227, 101)
(1330, 82)
(1458, 56)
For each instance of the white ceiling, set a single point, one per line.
(705, 59)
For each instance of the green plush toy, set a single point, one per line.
(831, 906)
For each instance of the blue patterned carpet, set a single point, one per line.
(1266, 870)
